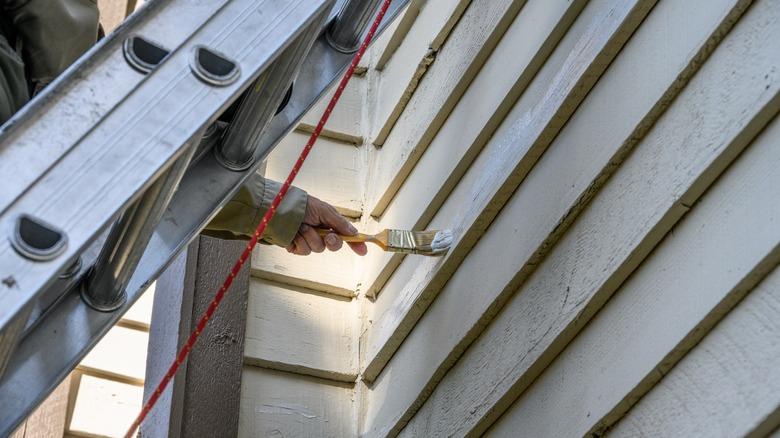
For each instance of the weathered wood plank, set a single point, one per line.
(591, 145)
(395, 36)
(685, 151)
(470, 43)
(346, 119)
(331, 272)
(279, 404)
(517, 58)
(333, 175)
(728, 385)
(302, 331)
(709, 262)
(120, 355)
(105, 407)
(399, 78)
(139, 316)
(507, 159)
(48, 420)
(213, 377)
(171, 320)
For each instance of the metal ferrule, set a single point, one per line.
(404, 242)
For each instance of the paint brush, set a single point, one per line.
(430, 243)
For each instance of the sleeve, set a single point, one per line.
(53, 33)
(242, 214)
(13, 86)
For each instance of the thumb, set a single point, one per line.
(337, 222)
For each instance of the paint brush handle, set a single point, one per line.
(359, 237)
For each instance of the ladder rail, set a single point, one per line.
(87, 91)
(31, 375)
(70, 105)
(120, 157)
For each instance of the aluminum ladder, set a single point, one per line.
(118, 164)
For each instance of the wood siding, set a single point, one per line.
(609, 169)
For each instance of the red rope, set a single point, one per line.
(182, 356)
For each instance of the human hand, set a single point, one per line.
(322, 215)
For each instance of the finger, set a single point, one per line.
(333, 242)
(335, 221)
(312, 238)
(359, 248)
(301, 247)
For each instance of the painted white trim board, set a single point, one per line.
(552, 194)
(302, 331)
(636, 208)
(500, 168)
(710, 260)
(468, 46)
(506, 74)
(729, 385)
(278, 404)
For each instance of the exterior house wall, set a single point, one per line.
(609, 170)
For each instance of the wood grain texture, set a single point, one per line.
(278, 404)
(331, 272)
(577, 163)
(413, 57)
(104, 407)
(345, 121)
(139, 316)
(651, 190)
(718, 253)
(303, 331)
(468, 46)
(500, 168)
(506, 74)
(729, 385)
(394, 37)
(48, 419)
(120, 355)
(171, 320)
(213, 384)
(333, 174)
(19, 432)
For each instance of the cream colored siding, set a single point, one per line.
(300, 330)
(301, 352)
(609, 170)
(279, 404)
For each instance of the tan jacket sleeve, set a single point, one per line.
(240, 217)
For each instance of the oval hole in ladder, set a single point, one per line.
(143, 55)
(213, 68)
(36, 239)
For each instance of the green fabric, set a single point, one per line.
(53, 33)
(41, 38)
(13, 86)
(240, 217)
